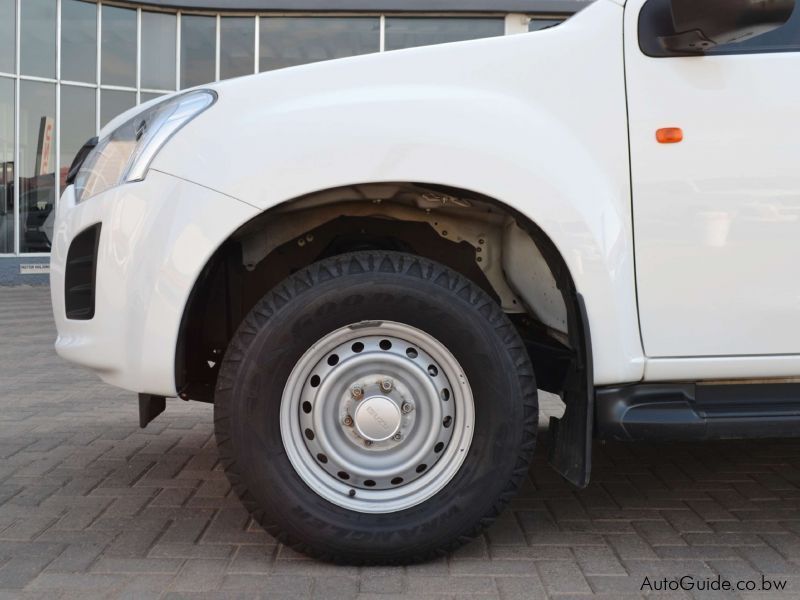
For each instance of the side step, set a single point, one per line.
(662, 412)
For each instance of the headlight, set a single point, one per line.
(126, 153)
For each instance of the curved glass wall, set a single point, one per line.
(76, 64)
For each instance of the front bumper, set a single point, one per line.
(156, 236)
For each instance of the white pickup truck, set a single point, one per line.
(371, 265)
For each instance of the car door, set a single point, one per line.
(717, 216)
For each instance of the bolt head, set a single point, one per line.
(348, 420)
(386, 385)
(368, 443)
(407, 408)
(357, 392)
(397, 437)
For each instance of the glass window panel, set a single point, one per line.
(237, 46)
(8, 36)
(113, 103)
(119, 46)
(147, 96)
(6, 165)
(539, 24)
(288, 41)
(159, 32)
(79, 41)
(78, 112)
(198, 50)
(409, 32)
(37, 183)
(38, 37)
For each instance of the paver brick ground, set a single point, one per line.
(91, 506)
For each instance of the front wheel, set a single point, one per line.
(376, 407)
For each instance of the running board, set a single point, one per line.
(662, 412)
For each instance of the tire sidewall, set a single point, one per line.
(311, 305)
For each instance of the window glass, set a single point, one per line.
(408, 32)
(237, 46)
(78, 41)
(38, 38)
(8, 38)
(288, 41)
(198, 50)
(539, 24)
(119, 46)
(37, 183)
(78, 114)
(159, 31)
(6, 165)
(113, 103)
(147, 96)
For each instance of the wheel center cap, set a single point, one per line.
(377, 418)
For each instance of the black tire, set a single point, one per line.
(340, 291)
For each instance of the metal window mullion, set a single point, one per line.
(382, 33)
(82, 84)
(256, 56)
(57, 124)
(17, 85)
(138, 54)
(178, 51)
(99, 69)
(120, 88)
(37, 78)
(217, 51)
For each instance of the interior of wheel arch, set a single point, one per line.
(456, 227)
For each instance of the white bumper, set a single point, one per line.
(156, 236)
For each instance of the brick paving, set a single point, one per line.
(93, 507)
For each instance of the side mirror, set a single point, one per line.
(691, 27)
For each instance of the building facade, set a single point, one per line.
(69, 66)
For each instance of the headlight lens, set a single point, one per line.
(126, 153)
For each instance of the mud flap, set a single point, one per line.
(570, 448)
(150, 407)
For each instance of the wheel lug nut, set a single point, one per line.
(357, 392)
(348, 420)
(407, 408)
(368, 443)
(386, 385)
(397, 437)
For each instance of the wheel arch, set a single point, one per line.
(279, 240)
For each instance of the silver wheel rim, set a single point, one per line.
(377, 417)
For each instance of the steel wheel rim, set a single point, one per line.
(400, 441)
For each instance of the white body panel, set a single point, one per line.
(156, 237)
(717, 216)
(514, 118)
(536, 121)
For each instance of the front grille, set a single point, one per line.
(81, 272)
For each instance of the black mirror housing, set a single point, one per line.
(692, 27)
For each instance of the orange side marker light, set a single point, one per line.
(669, 135)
